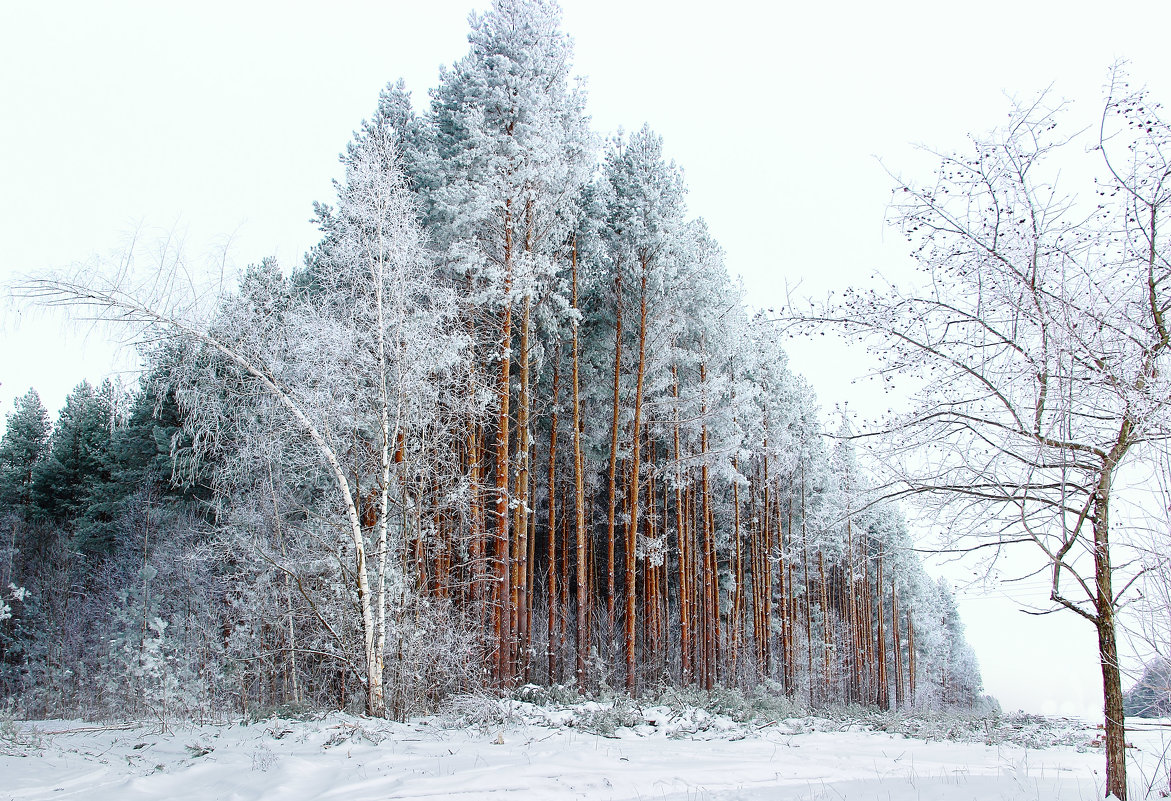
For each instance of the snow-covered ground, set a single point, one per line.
(508, 749)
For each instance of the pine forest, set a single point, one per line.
(512, 421)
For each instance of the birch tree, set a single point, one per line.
(349, 350)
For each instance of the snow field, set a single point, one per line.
(544, 753)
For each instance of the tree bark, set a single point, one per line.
(1107, 642)
(552, 523)
(613, 486)
(710, 575)
(502, 609)
(520, 501)
(910, 657)
(582, 573)
(883, 683)
(634, 487)
(806, 590)
(681, 536)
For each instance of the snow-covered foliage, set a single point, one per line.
(510, 423)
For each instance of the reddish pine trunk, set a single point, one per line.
(552, 524)
(520, 502)
(633, 491)
(477, 548)
(853, 621)
(758, 521)
(566, 549)
(651, 598)
(883, 688)
(910, 656)
(711, 575)
(771, 537)
(613, 485)
(808, 600)
(582, 572)
(502, 608)
(825, 630)
(896, 638)
(681, 534)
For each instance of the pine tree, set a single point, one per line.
(513, 153)
(23, 447)
(24, 444)
(644, 231)
(77, 465)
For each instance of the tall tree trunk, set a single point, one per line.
(883, 683)
(807, 593)
(768, 537)
(1107, 642)
(789, 592)
(784, 591)
(613, 486)
(634, 487)
(582, 572)
(651, 603)
(520, 502)
(896, 639)
(758, 519)
(736, 621)
(910, 656)
(825, 632)
(563, 585)
(854, 623)
(694, 661)
(711, 594)
(650, 574)
(552, 524)
(477, 547)
(681, 535)
(528, 590)
(294, 687)
(791, 657)
(502, 609)
(378, 274)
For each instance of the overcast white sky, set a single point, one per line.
(220, 123)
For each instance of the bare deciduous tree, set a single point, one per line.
(1040, 340)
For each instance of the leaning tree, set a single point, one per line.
(355, 352)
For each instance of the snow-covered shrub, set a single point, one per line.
(606, 719)
(146, 671)
(480, 710)
(766, 701)
(262, 759)
(293, 710)
(432, 653)
(15, 739)
(959, 725)
(556, 694)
